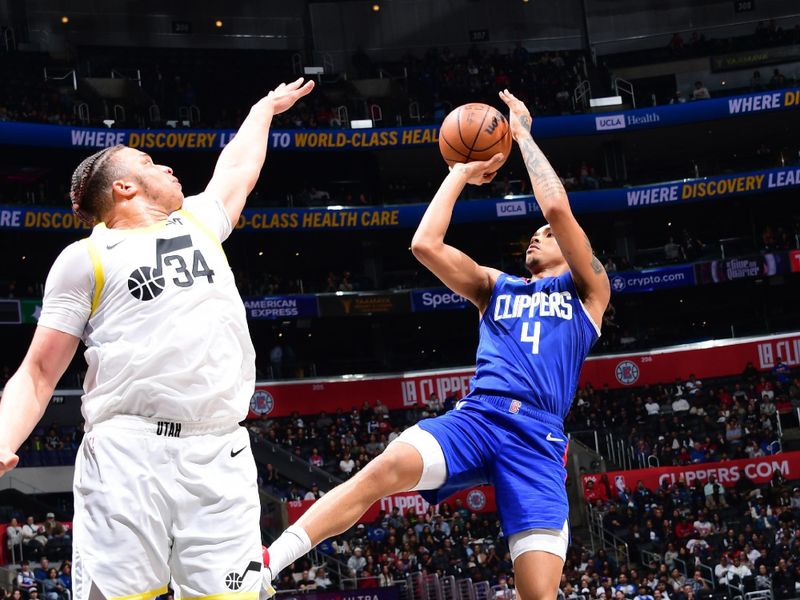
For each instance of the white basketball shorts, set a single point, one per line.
(160, 503)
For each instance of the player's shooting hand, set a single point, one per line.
(520, 117)
(8, 460)
(480, 171)
(285, 95)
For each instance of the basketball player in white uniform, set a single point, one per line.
(165, 483)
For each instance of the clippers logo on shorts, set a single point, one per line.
(515, 406)
(262, 403)
(627, 372)
(168, 429)
(148, 282)
(234, 580)
(609, 122)
(476, 500)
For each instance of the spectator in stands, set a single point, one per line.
(672, 251)
(65, 576)
(738, 571)
(25, 578)
(346, 464)
(700, 91)
(781, 373)
(52, 587)
(33, 538)
(314, 493)
(316, 458)
(756, 83)
(715, 494)
(13, 533)
(305, 582)
(42, 571)
(356, 562)
(59, 542)
(778, 79)
(321, 579)
(680, 404)
(52, 441)
(702, 525)
(721, 570)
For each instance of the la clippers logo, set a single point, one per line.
(476, 500)
(515, 406)
(627, 372)
(262, 403)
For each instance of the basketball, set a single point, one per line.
(474, 132)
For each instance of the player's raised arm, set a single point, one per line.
(28, 392)
(240, 163)
(587, 272)
(455, 269)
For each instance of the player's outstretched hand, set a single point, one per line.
(520, 117)
(8, 460)
(480, 171)
(285, 95)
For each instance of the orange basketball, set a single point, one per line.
(474, 132)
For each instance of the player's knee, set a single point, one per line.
(396, 470)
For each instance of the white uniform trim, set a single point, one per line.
(553, 541)
(434, 465)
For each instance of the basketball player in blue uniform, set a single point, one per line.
(534, 336)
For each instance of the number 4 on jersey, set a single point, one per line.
(533, 339)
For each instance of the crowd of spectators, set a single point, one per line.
(693, 421)
(51, 445)
(41, 580)
(351, 439)
(434, 82)
(689, 541)
(34, 545)
(451, 540)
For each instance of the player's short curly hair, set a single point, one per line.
(90, 191)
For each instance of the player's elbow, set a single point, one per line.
(422, 249)
(557, 210)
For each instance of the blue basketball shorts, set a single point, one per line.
(520, 450)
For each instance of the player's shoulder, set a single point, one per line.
(76, 253)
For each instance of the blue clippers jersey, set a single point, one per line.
(534, 337)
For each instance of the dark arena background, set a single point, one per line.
(674, 126)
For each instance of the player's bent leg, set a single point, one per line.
(399, 468)
(414, 460)
(538, 556)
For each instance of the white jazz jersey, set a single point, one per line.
(164, 325)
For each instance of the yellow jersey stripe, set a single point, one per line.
(204, 228)
(99, 275)
(144, 595)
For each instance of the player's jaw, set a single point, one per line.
(543, 251)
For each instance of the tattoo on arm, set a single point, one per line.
(597, 266)
(546, 184)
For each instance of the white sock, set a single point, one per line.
(291, 545)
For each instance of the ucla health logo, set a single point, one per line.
(607, 122)
(618, 283)
(476, 500)
(627, 372)
(262, 403)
